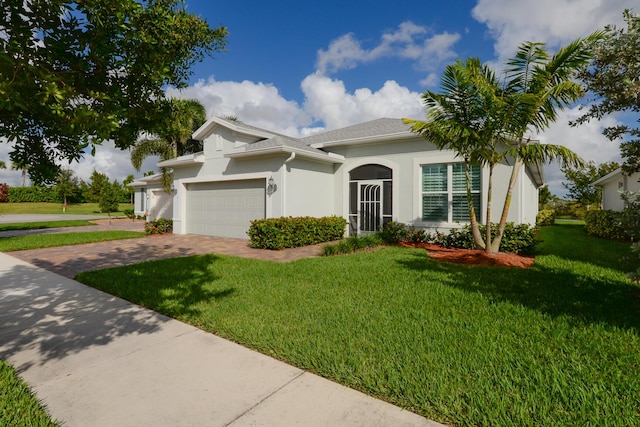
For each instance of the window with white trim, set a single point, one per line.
(444, 192)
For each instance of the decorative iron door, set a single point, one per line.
(369, 206)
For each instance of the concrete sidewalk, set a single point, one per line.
(97, 360)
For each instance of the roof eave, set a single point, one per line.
(607, 177)
(366, 140)
(269, 151)
(193, 159)
(203, 131)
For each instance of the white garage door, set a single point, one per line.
(224, 208)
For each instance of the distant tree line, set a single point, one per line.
(68, 189)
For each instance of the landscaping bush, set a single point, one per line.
(394, 232)
(545, 217)
(129, 213)
(292, 232)
(33, 194)
(352, 244)
(159, 226)
(4, 193)
(519, 239)
(606, 224)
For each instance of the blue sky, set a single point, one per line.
(298, 67)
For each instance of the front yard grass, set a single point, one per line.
(11, 226)
(37, 241)
(56, 208)
(556, 344)
(18, 405)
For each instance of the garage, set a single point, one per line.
(226, 208)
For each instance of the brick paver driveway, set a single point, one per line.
(71, 260)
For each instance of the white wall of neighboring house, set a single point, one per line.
(613, 184)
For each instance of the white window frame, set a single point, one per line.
(449, 192)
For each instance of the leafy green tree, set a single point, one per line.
(3, 165)
(173, 137)
(108, 201)
(614, 79)
(97, 183)
(67, 187)
(484, 120)
(75, 73)
(579, 182)
(544, 196)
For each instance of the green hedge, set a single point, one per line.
(33, 194)
(546, 217)
(606, 224)
(291, 232)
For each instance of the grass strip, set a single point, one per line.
(18, 405)
(38, 241)
(56, 208)
(552, 345)
(43, 225)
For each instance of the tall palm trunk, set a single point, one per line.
(515, 172)
(475, 229)
(488, 247)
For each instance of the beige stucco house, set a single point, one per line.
(369, 173)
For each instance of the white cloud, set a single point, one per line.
(408, 41)
(113, 162)
(327, 100)
(586, 140)
(555, 22)
(259, 104)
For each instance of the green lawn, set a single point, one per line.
(56, 208)
(553, 345)
(36, 241)
(43, 225)
(18, 405)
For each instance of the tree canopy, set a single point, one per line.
(579, 181)
(614, 79)
(76, 73)
(172, 137)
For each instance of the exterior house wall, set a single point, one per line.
(405, 159)
(612, 188)
(307, 189)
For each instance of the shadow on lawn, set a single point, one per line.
(553, 291)
(147, 284)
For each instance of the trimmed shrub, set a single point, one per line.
(352, 244)
(606, 224)
(292, 232)
(159, 226)
(129, 213)
(33, 194)
(4, 193)
(545, 217)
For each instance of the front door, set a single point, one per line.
(370, 207)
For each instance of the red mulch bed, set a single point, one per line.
(473, 257)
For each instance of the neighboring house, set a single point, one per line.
(370, 173)
(613, 185)
(151, 199)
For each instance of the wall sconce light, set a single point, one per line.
(271, 186)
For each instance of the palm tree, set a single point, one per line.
(463, 119)
(484, 120)
(173, 136)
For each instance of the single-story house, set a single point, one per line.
(370, 173)
(150, 199)
(613, 185)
